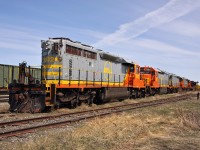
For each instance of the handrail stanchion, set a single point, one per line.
(108, 78)
(79, 77)
(119, 80)
(114, 79)
(101, 78)
(93, 78)
(59, 77)
(86, 78)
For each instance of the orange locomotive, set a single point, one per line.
(150, 77)
(159, 82)
(135, 84)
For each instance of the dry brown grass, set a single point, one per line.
(112, 133)
(190, 118)
(149, 128)
(155, 128)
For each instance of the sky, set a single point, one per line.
(164, 34)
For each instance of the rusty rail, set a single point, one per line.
(92, 114)
(4, 98)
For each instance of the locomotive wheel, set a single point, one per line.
(130, 94)
(153, 92)
(143, 94)
(57, 105)
(134, 95)
(102, 99)
(101, 95)
(90, 101)
(74, 103)
(91, 98)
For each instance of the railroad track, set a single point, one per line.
(4, 98)
(32, 124)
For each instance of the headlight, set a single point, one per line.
(59, 58)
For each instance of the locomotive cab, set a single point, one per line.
(150, 77)
(183, 83)
(50, 70)
(134, 76)
(134, 82)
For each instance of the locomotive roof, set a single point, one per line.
(152, 68)
(165, 72)
(102, 54)
(114, 58)
(74, 43)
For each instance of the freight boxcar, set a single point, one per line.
(8, 73)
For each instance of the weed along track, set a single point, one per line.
(20, 127)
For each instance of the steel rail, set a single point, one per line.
(16, 122)
(3, 100)
(60, 123)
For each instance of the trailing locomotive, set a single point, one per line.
(159, 82)
(73, 73)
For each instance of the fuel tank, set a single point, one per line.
(107, 94)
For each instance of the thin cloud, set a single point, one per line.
(169, 12)
(162, 47)
(85, 32)
(21, 40)
(182, 28)
(19, 46)
(150, 46)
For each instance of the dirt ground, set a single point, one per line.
(172, 126)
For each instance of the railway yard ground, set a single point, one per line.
(168, 126)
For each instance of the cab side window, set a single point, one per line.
(137, 70)
(55, 48)
(132, 69)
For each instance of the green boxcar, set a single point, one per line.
(10, 72)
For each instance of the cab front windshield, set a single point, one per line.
(145, 71)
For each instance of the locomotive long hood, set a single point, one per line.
(113, 58)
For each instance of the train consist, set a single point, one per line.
(73, 73)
